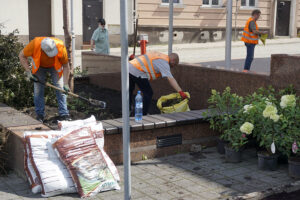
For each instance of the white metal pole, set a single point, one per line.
(125, 99)
(73, 34)
(228, 34)
(170, 27)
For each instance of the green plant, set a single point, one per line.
(223, 106)
(15, 89)
(237, 135)
(79, 73)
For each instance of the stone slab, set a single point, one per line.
(5, 108)
(157, 123)
(134, 126)
(109, 129)
(11, 119)
(167, 120)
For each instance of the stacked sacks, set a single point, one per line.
(48, 174)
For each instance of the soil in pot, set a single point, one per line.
(221, 146)
(232, 156)
(267, 161)
(294, 167)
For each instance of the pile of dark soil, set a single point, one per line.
(80, 109)
(171, 102)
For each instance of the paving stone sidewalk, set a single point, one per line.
(183, 177)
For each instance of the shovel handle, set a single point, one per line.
(62, 90)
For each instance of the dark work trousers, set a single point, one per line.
(250, 55)
(145, 88)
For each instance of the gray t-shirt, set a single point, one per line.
(252, 26)
(159, 65)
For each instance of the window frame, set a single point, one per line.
(247, 6)
(167, 4)
(210, 5)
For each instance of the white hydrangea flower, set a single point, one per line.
(288, 101)
(247, 108)
(247, 128)
(269, 110)
(275, 117)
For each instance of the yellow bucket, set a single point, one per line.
(179, 107)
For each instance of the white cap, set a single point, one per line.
(49, 47)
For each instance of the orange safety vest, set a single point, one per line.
(36, 57)
(144, 63)
(250, 37)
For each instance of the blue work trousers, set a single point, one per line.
(250, 55)
(39, 88)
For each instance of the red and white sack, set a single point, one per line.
(77, 123)
(98, 133)
(53, 175)
(34, 181)
(86, 163)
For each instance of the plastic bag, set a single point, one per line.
(179, 107)
(85, 161)
(263, 38)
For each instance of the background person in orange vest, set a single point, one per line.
(49, 55)
(250, 36)
(150, 67)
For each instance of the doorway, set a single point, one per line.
(283, 18)
(39, 13)
(92, 12)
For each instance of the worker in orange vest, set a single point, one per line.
(48, 55)
(148, 67)
(250, 36)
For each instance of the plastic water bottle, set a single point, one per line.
(138, 107)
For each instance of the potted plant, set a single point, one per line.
(223, 107)
(290, 140)
(269, 138)
(237, 138)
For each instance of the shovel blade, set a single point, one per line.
(98, 103)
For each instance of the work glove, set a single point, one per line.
(31, 77)
(183, 95)
(66, 89)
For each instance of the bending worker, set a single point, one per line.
(250, 37)
(49, 55)
(150, 67)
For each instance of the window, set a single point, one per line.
(248, 3)
(174, 1)
(212, 3)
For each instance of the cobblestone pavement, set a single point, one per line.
(183, 176)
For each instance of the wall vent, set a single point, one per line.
(166, 141)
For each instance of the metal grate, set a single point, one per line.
(166, 141)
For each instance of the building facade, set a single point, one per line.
(205, 20)
(194, 20)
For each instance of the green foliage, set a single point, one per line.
(15, 90)
(275, 118)
(79, 73)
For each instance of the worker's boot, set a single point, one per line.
(65, 118)
(40, 118)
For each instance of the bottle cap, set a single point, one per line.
(139, 92)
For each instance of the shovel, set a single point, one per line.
(93, 102)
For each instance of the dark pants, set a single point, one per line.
(145, 88)
(250, 55)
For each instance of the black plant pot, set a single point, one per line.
(267, 162)
(232, 156)
(221, 146)
(294, 167)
